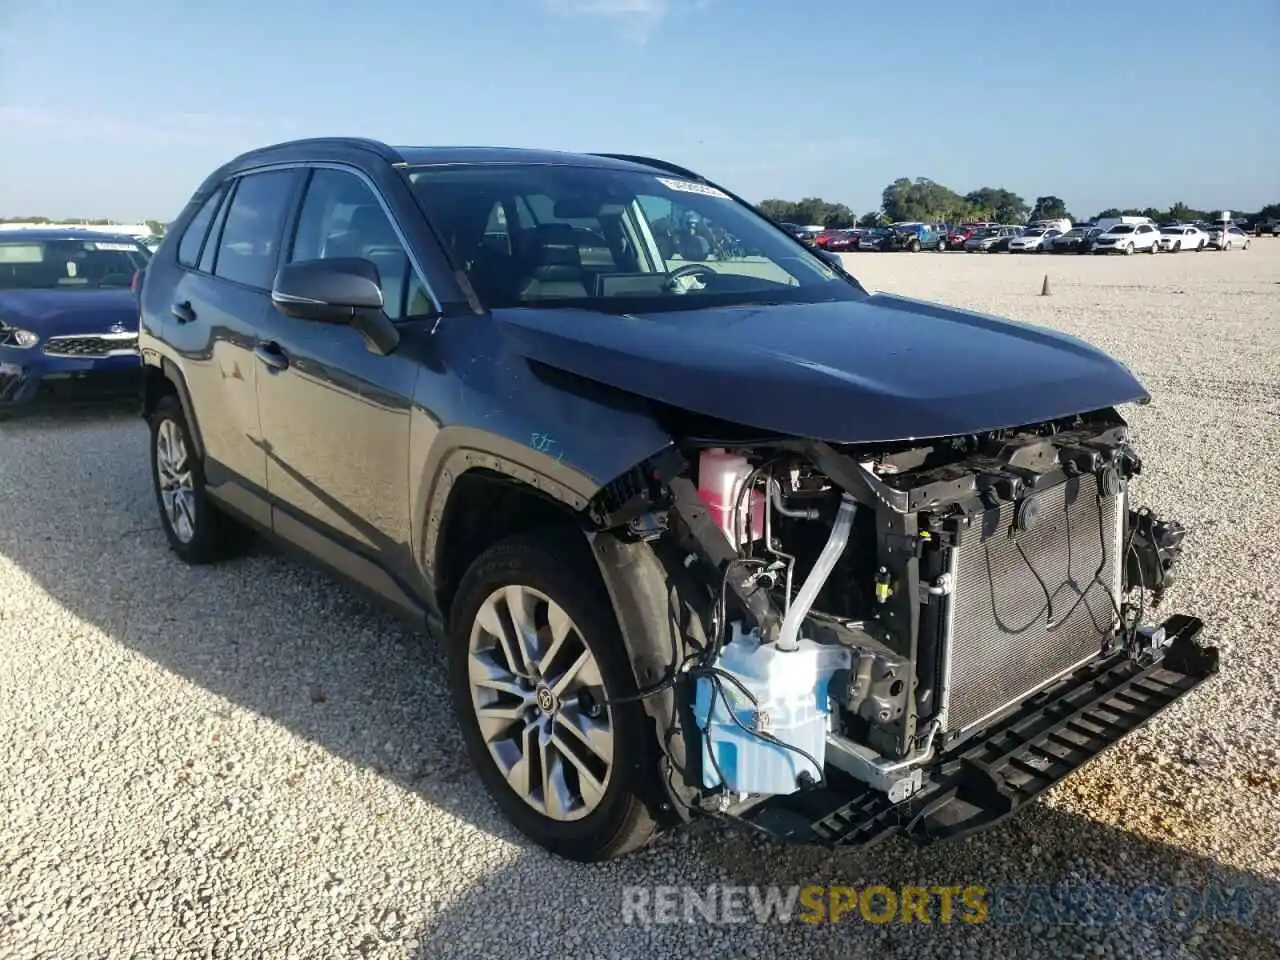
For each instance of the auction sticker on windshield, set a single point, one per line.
(688, 186)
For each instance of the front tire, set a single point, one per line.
(1128, 250)
(532, 626)
(197, 531)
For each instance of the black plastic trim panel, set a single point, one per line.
(985, 779)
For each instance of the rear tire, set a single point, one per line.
(534, 573)
(197, 530)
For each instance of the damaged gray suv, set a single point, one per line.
(712, 530)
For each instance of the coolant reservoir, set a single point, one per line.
(791, 689)
(720, 478)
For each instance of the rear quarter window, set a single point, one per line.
(197, 229)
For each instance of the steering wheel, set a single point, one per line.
(689, 270)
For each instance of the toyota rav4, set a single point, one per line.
(708, 533)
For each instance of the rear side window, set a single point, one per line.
(250, 240)
(193, 236)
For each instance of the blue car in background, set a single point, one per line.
(68, 316)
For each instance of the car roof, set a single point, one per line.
(439, 156)
(55, 234)
(319, 148)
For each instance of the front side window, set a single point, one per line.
(71, 263)
(614, 240)
(249, 244)
(341, 217)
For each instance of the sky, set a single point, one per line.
(120, 109)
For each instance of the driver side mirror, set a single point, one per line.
(344, 290)
(833, 259)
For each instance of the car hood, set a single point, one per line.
(872, 370)
(56, 312)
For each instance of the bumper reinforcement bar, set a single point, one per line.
(982, 780)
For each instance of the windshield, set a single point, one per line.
(1177, 230)
(614, 240)
(1122, 228)
(68, 264)
(1075, 232)
(1034, 232)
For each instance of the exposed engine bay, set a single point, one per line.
(872, 613)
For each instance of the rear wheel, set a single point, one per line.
(531, 629)
(197, 531)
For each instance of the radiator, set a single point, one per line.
(1001, 644)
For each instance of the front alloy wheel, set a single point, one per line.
(528, 665)
(540, 681)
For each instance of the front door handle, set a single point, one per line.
(271, 355)
(183, 313)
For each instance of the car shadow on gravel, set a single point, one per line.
(272, 636)
(1055, 884)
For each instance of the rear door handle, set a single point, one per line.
(183, 313)
(271, 354)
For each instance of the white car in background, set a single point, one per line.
(1128, 238)
(1182, 236)
(1234, 239)
(1034, 240)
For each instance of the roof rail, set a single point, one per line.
(387, 153)
(652, 162)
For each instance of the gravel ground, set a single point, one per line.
(247, 762)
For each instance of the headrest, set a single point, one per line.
(370, 223)
(556, 254)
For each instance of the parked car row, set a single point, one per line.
(1125, 235)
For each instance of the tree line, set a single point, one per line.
(928, 201)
